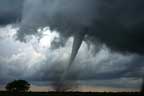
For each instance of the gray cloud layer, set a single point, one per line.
(117, 23)
(103, 20)
(41, 65)
(10, 11)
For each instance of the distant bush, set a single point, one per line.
(18, 86)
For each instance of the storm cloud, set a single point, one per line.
(116, 23)
(107, 33)
(10, 11)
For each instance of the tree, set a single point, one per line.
(18, 86)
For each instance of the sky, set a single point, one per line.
(92, 45)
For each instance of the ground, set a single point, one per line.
(74, 94)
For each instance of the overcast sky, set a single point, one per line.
(36, 40)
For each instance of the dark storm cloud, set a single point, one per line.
(21, 65)
(132, 68)
(8, 73)
(10, 11)
(122, 24)
(117, 23)
(126, 69)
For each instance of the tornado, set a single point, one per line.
(75, 48)
(78, 38)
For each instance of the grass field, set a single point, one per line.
(73, 94)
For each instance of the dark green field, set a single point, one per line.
(73, 94)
